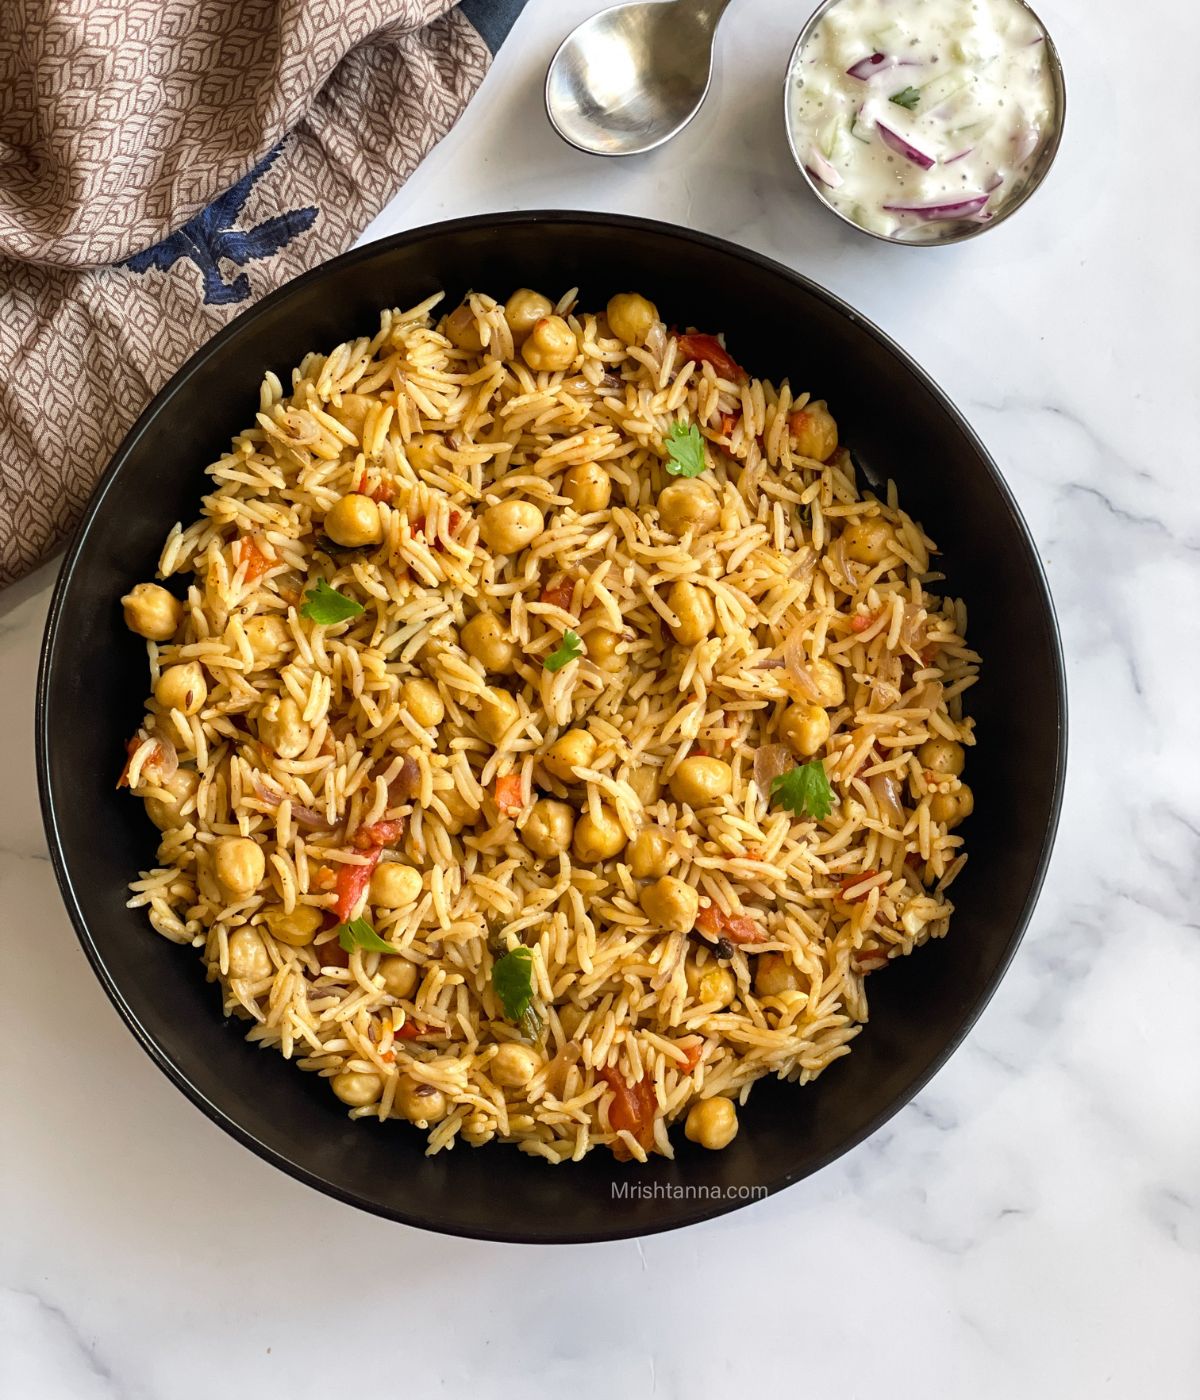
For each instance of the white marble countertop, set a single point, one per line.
(1030, 1226)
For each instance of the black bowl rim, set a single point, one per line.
(56, 629)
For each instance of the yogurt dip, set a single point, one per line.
(918, 114)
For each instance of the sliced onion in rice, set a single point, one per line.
(307, 817)
(674, 956)
(795, 662)
(771, 762)
(805, 565)
(407, 782)
(912, 629)
(164, 758)
(837, 557)
(885, 788)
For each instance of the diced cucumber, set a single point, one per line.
(940, 88)
(892, 39)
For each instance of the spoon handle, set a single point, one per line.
(706, 12)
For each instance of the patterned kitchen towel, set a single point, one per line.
(163, 163)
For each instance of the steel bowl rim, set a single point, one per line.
(56, 635)
(956, 234)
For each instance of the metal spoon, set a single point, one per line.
(632, 77)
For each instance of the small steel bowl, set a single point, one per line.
(954, 232)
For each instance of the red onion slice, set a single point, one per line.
(820, 169)
(873, 63)
(955, 209)
(959, 156)
(1025, 142)
(905, 148)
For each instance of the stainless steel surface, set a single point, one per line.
(963, 229)
(632, 77)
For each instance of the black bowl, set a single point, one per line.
(897, 421)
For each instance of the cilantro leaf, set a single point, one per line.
(326, 605)
(571, 649)
(906, 97)
(805, 791)
(512, 980)
(358, 933)
(685, 449)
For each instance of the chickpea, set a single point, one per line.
(352, 413)
(393, 885)
(421, 452)
(523, 310)
(460, 810)
(814, 433)
(485, 639)
(952, 807)
(574, 749)
(868, 541)
(712, 1123)
(550, 345)
(281, 728)
(508, 527)
(942, 756)
(700, 781)
(356, 1090)
(588, 487)
(353, 521)
(239, 865)
(152, 612)
(671, 904)
(601, 646)
(805, 728)
(650, 853)
(269, 639)
(496, 715)
(164, 813)
(248, 956)
(774, 974)
(631, 316)
(711, 983)
(182, 687)
(400, 977)
(693, 606)
(421, 699)
(688, 505)
(549, 829)
(831, 688)
(597, 840)
(513, 1065)
(420, 1103)
(646, 782)
(296, 929)
(462, 330)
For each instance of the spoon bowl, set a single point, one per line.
(630, 78)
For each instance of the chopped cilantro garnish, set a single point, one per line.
(570, 650)
(359, 934)
(805, 791)
(906, 97)
(326, 605)
(512, 978)
(685, 450)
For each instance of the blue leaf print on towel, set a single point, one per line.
(210, 238)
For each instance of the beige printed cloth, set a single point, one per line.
(163, 163)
